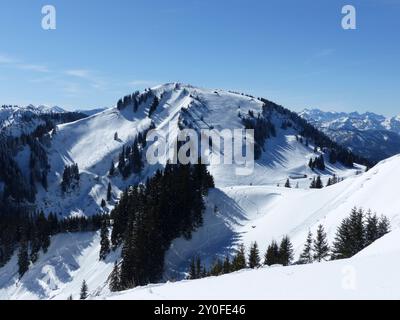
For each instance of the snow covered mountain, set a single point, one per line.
(241, 209)
(371, 135)
(90, 143)
(352, 120)
(15, 120)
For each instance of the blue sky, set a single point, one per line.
(293, 52)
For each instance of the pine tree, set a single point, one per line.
(227, 265)
(313, 184)
(84, 291)
(287, 184)
(306, 256)
(272, 254)
(198, 267)
(112, 169)
(329, 183)
(35, 246)
(103, 203)
(286, 251)
(114, 279)
(217, 268)
(318, 183)
(70, 298)
(371, 228)
(104, 240)
(342, 246)
(383, 226)
(192, 270)
(321, 247)
(154, 105)
(254, 256)
(109, 192)
(239, 261)
(23, 258)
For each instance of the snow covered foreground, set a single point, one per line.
(373, 274)
(244, 214)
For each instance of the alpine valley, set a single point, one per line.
(84, 216)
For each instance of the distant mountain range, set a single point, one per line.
(371, 135)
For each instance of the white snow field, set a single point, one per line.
(241, 209)
(372, 274)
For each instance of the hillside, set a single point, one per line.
(241, 208)
(373, 274)
(244, 215)
(90, 143)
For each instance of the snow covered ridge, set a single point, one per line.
(16, 119)
(96, 143)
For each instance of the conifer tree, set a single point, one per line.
(154, 105)
(192, 270)
(286, 251)
(342, 246)
(114, 279)
(104, 240)
(313, 183)
(217, 268)
(254, 256)
(112, 169)
(306, 256)
(23, 258)
(84, 291)
(287, 184)
(272, 254)
(318, 183)
(321, 247)
(357, 230)
(109, 192)
(383, 226)
(371, 228)
(198, 267)
(239, 261)
(35, 246)
(227, 265)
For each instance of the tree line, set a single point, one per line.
(355, 233)
(31, 233)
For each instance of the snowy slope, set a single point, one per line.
(262, 213)
(372, 274)
(90, 143)
(244, 214)
(59, 273)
